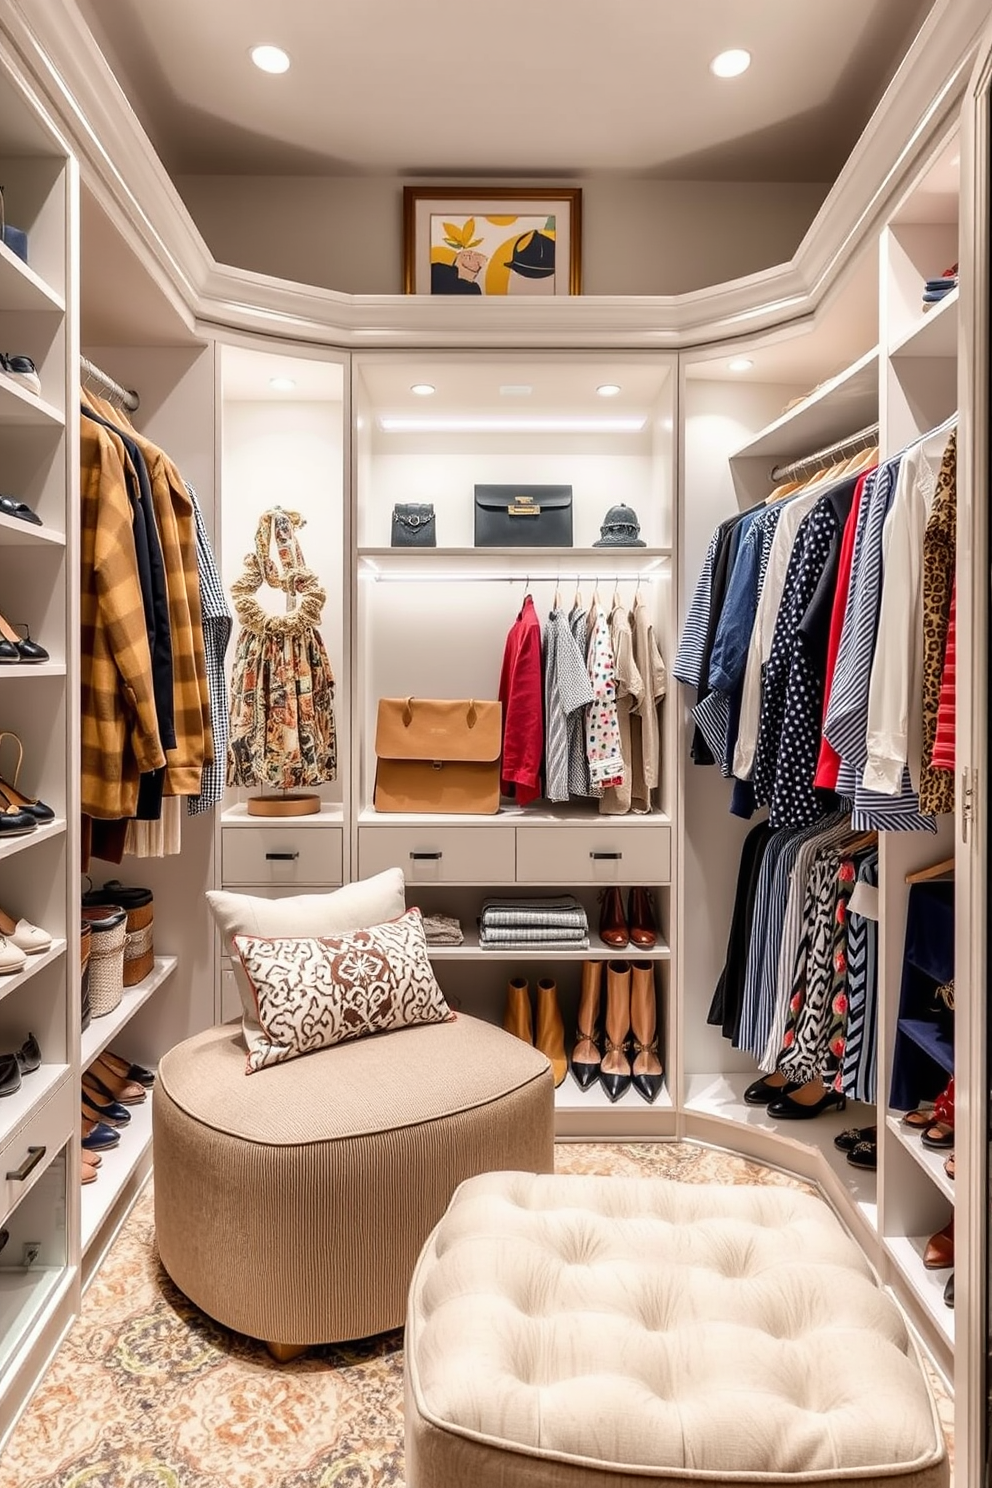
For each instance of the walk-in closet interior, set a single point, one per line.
(868, 352)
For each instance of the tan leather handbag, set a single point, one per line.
(437, 754)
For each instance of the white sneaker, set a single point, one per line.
(12, 959)
(30, 938)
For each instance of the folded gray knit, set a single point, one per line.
(545, 945)
(530, 935)
(442, 929)
(565, 913)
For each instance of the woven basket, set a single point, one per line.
(106, 967)
(85, 942)
(139, 950)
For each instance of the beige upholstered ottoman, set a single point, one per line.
(291, 1204)
(612, 1333)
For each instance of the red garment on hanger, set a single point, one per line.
(521, 691)
(943, 745)
(828, 765)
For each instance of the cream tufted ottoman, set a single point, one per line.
(291, 1204)
(613, 1333)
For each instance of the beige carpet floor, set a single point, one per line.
(148, 1393)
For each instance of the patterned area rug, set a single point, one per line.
(148, 1393)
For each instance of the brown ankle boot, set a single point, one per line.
(640, 919)
(614, 1071)
(586, 1055)
(549, 1035)
(516, 1015)
(647, 1072)
(612, 920)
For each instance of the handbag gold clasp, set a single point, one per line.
(524, 506)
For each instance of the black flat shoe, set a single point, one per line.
(28, 1055)
(11, 507)
(10, 1074)
(787, 1109)
(846, 1141)
(761, 1093)
(949, 1291)
(111, 1114)
(864, 1155)
(16, 823)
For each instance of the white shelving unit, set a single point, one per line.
(119, 1166)
(102, 1032)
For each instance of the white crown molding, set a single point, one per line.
(120, 167)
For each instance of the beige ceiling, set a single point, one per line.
(567, 88)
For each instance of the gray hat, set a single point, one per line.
(620, 529)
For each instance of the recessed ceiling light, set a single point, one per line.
(609, 389)
(270, 58)
(516, 390)
(501, 424)
(740, 364)
(731, 64)
(423, 389)
(281, 384)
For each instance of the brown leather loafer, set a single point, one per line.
(939, 1253)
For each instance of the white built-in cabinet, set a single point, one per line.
(347, 441)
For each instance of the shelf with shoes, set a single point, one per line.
(906, 1253)
(935, 334)
(931, 1160)
(15, 533)
(13, 981)
(118, 1166)
(22, 288)
(102, 1031)
(19, 405)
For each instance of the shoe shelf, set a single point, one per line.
(14, 982)
(935, 334)
(35, 1089)
(119, 1165)
(590, 1116)
(14, 845)
(102, 1031)
(19, 405)
(906, 1252)
(17, 534)
(569, 1097)
(32, 669)
(931, 1161)
(21, 288)
(720, 1097)
(471, 950)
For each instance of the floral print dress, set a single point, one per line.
(282, 688)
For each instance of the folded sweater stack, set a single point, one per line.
(553, 923)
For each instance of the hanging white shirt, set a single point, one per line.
(764, 625)
(895, 697)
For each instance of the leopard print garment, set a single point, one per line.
(937, 786)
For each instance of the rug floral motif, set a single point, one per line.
(146, 1392)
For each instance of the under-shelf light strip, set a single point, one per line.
(568, 576)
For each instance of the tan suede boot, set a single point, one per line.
(614, 1072)
(516, 1015)
(647, 1071)
(586, 1055)
(550, 1034)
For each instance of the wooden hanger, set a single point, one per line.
(860, 842)
(936, 870)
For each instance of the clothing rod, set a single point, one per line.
(569, 577)
(126, 397)
(842, 446)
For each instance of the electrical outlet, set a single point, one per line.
(31, 1252)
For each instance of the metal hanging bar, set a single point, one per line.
(841, 447)
(126, 397)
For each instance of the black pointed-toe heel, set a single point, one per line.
(585, 1073)
(787, 1109)
(615, 1084)
(648, 1087)
(28, 1055)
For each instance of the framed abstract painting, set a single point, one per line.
(492, 243)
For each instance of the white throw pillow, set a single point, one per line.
(369, 901)
(312, 993)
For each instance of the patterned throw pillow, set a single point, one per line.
(312, 993)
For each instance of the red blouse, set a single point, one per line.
(943, 745)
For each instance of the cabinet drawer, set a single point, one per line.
(281, 855)
(575, 855)
(469, 855)
(50, 1127)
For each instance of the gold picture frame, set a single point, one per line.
(467, 240)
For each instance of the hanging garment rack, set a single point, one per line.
(831, 452)
(126, 397)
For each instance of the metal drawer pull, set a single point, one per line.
(281, 857)
(612, 856)
(426, 857)
(18, 1175)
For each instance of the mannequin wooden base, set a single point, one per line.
(290, 804)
